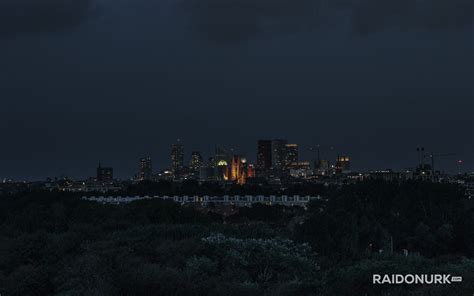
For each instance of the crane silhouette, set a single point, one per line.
(432, 157)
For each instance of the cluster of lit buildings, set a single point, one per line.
(276, 160)
(277, 164)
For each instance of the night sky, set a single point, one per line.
(114, 80)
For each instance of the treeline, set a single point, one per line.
(192, 187)
(57, 244)
(432, 219)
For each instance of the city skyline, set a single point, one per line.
(179, 156)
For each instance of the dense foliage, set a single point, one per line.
(55, 243)
(191, 187)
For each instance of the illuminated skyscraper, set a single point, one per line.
(235, 168)
(291, 155)
(177, 158)
(145, 169)
(222, 170)
(195, 163)
(221, 155)
(250, 171)
(238, 169)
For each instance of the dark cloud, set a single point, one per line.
(224, 21)
(229, 21)
(373, 15)
(19, 16)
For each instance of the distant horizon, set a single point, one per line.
(128, 172)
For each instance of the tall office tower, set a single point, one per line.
(221, 154)
(145, 168)
(278, 153)
(105, 175)
(343, 164)
(177, 158)
(211, 162)
(264, 156)
(291, 155)
(208, 170)
(195, 163)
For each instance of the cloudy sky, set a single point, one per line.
(89, 80)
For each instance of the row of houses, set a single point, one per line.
(246, 200)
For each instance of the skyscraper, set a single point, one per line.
(145, 169)
(278, 153)
(264, 155)
(238, 169)
(177, 158)
(221, 154)
(291, 155)
(209, 170)
(222, 170)
(195, 163)
(250, 171)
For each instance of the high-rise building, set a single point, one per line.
(105, 175)
(235, 170)
(250, 171)
(264, 156)
(278, 153)
(208, 171)
(291, 155)
(177, 158)
(221, 154)
(195, 163)
(222, 170)
(145, 168)
(238, 169)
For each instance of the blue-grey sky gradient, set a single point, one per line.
(89, 80)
